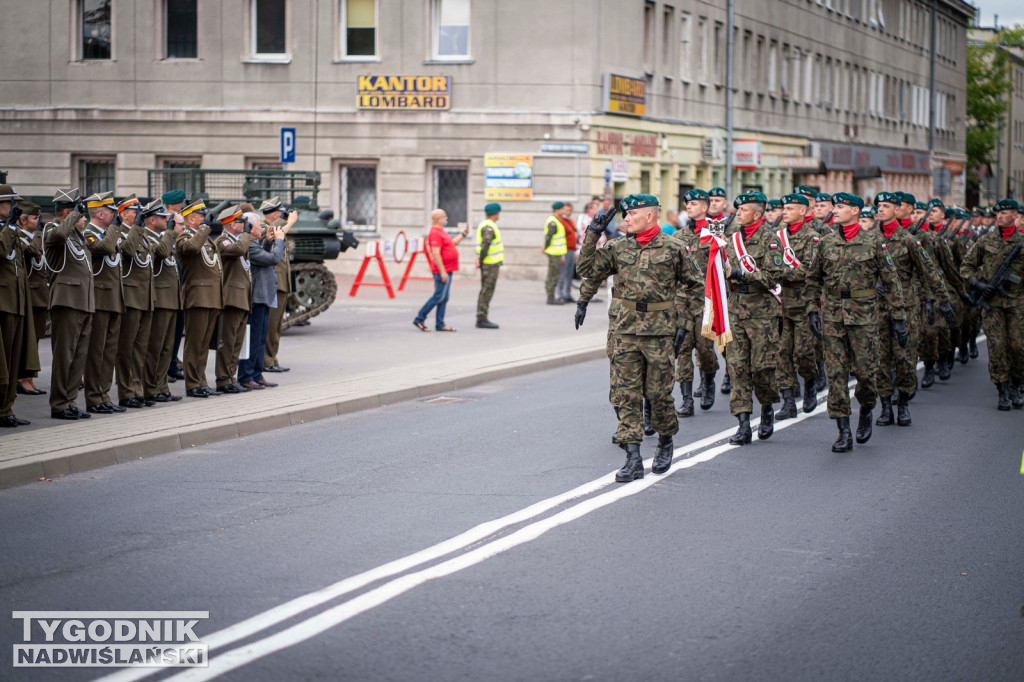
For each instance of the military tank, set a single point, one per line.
(314, 239)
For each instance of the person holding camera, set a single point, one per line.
(233, 247)
(274, 214)
(202, 296)
(443, 260)
(263, 258)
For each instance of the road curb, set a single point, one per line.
(51, 465)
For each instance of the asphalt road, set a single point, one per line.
(776, 561)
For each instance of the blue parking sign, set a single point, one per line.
(287, 145)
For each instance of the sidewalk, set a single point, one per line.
(362, 353)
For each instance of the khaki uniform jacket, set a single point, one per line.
(283, 269)
(202, 285)
(137, 270)
(69, 266)
(33, 249)
(107, 248)
(166, 286)
(984, 259)
(14, 298)
(237, 275)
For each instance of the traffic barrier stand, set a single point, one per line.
(416, 247)
(373, 252)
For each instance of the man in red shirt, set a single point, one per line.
(443, 261)
(563, 291)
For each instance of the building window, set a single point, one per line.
(96, 174)
(666, 39)
(451, 29)
(359, 197)
(269, 29)
(773, 68)
(649, 19)
(181, 25)
(451, 192)
(359, 28)
(95, 22)
(685, 71)
(718, 52)
(179, 175)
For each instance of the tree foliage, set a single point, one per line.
(988, 81)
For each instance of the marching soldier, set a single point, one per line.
(773, 216)
(1004, 318)
(649, 267)
(166, 300)
(849, 263)
(272, 211)
(919, 281)
(137, 284)
(755, 316)
(920, 211)
(555, 247)
(233, 247)
(799, 244)
(720, 224)
(202, 296)
(31, 235)
(823, 211)
(490, 254)
(17, 336)
(931, 345)
(812, 203)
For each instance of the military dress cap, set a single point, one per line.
(100, 200)
(936, 203)
(8, 193)
(718, 192)
(194, 206)
(893, 198)
(638, 201)
(271, 205)
(230, 214)
(976, 211)
(557, 205)
(796, 198)
(750, 198)
(848, 199)
(908, 198)
(867, 212)
(1006, 205)
(66, 198)
(989, 213)
(774, 204)
(130, 201)
(921, 205)
(493, 208)
(174, 196)
(155, 208)
(28, 207)
(823, 196)
(695, 195)
(808, 192)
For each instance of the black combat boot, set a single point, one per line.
(788, 410)
(699, 392)
(796, 382)
(845, 441)
(963, 352)
(929, 374)
(864, 426)
(973, 346)
(663, 455)
(767, 427)
(903, 409)
(1017, 395)
(743, 433)
(686, 409)
(945, 365)
(707, 397)
(726, 384)
(810, 395)
(1004, 396)
(886, 418)
(634, 466)
(821, 382)
(648, 429)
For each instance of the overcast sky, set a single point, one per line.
(1010, 12)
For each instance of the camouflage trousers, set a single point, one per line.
(752, 362)
(488, 280)
(850, 348)
(641, 366)
(798, 354)
(929, 346)
(897, 367)
(554, 272)
(707, 359)
(1004, 328)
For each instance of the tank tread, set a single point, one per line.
(300, 312)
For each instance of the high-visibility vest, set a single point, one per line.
(495, 252)
(557, 246)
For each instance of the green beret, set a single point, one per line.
(824, 196)
(908, 198)
(867, 212)
(28, 207)
(750, 198)
(936, 203)
(718, 192)
(889, 198)
(796, 198)
(921, 205)
(848, 199)
(493, 208)
(962, 213)
(695, 195)
(174, 196)
(774, 204)
(808, 192)
(950, 211)
(1006, 205)
(638, 201)
(557, 205)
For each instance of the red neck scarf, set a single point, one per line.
(934, 228)
(830, 221)
(699, 225)
(1007, 232)
(850, 231)
(716, 217)
(889, 228)
(749, 230)
(795, 227)
(905, 223)
(809, 218)
(646, 236)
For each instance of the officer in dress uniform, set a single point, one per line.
(843, 275)
(273, 210)
(17, 336)
(644, 332)
(31, 234)
(174, 201)
(137, 285)
(490, 254)
(233, 247)
(72, 302)
(166, 299)
(202, 296)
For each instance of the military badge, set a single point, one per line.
(776, 259)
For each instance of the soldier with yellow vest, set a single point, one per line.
(555, 248)
(490, 254)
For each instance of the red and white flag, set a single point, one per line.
(749, 265)
(788, 254)
(715, 323)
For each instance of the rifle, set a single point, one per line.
(998, 280)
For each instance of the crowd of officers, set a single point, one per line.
(819, 287)
(115, 278)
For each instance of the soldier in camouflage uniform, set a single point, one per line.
(649, 268)
(919, 281)
(821, 382)
(849, 263)
(754, 267)
(721, 224)
(935, 339)
(1004, 320)
(697, 204)
(823, 212)
(490, 254)
(798, 344)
